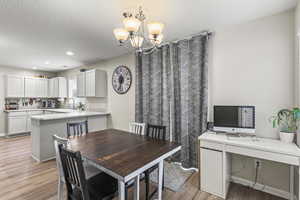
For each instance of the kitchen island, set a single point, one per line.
(45, 126)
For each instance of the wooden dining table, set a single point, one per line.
(124, 155)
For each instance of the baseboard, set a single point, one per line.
(38, 160)
(2, 134)
(263, 188)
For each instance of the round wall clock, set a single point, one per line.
(121, 79)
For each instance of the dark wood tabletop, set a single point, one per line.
(119, 151)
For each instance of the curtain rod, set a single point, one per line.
(204, 33)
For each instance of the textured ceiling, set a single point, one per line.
(33, 32)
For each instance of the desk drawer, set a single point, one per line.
(277, 157)
(211, 145)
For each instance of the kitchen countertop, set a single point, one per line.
(42, 109)
(68, 115)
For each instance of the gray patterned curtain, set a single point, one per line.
(171, 90)
(152, 91)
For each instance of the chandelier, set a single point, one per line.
(134, 32)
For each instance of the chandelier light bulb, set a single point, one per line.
(155, 28)
(121, 34)
(131, 24)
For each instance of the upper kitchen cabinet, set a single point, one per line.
(42, 87)
(92, 83)
(95, 84)
(36, 87)
(30, 87)
(14, 86)
(81, 85)
(58, 87)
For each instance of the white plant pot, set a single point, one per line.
(286, 137)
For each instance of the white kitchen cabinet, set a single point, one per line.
(44, 87)
(51, 88)
(36, 87)
(58, 87)
(97, 123)
(14, 86)
(30, 87)
(81, 85)
(211, 171)
(92, 83)
(41, 86)
(16, 123)
(28, 124)
(96, 83)
(62, 87)
(90, 80)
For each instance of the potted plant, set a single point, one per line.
(81, 107)
(287, 122)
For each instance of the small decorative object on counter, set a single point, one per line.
(287, 122)
(81, 107)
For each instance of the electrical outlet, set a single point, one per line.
(257, 163)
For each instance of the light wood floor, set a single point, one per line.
(21, 178)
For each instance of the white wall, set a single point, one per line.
(122, 107)
(253, 64)
(14, 71)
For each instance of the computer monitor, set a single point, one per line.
(234, 119)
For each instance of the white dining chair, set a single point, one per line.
(89, 169)
(61, 180)
(137, 128)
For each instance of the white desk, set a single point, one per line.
(215, 160)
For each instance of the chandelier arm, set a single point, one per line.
(127, 47)
(134, 41)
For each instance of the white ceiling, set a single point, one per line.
(35, 31)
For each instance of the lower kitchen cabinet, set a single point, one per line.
(97, 123)
(16, 123)
(19, 122)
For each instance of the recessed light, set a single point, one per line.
(34, 68)
(70, 53)
(47, 62)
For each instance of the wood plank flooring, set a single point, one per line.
(21, 178)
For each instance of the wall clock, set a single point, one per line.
(121, 79)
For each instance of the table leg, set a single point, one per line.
(121, 188)
(137, 188)
(160, 178)
(292, 178)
